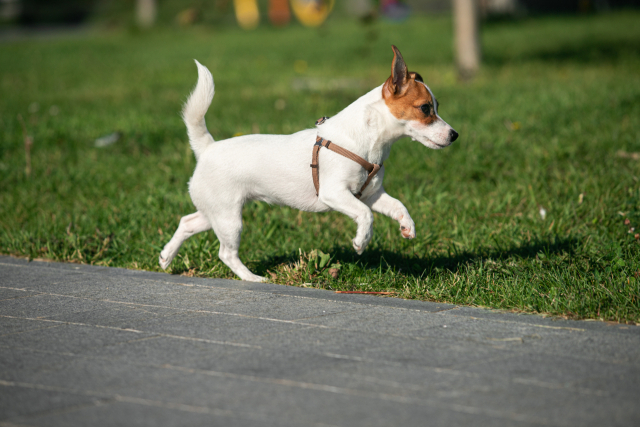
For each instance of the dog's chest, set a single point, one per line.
(374, 184)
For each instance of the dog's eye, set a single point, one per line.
(426, 109)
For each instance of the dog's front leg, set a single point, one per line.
(383, 203)
(345, 202)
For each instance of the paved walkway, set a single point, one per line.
(93, 346)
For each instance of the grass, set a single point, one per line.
(552, 122)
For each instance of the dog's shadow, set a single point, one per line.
(423, 267)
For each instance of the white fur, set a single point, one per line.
(195, 108)
(275, 169)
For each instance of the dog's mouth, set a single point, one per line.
(446, 144)
(430, 142)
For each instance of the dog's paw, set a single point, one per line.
(408, 233)
(163, 262)
(253, 278)
(359, 248)
(407, 227)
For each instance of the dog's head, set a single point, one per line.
(412, 103)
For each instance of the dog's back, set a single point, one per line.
(257, 167)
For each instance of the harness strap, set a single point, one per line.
(372, 168)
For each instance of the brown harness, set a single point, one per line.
(372, 168)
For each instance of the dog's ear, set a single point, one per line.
(399, 72)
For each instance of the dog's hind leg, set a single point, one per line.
(228, 227)
(189, 225)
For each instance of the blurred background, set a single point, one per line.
(29, 16)
(122, 12)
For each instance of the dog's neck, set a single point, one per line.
(365, 127)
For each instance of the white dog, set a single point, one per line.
(275, 168)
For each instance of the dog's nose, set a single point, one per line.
(453, 135)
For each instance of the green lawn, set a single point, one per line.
(552, 121)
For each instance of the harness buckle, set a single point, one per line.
(321, 120)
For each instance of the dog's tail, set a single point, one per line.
(195, 109)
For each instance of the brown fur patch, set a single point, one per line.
(404, 95)
(405, 103)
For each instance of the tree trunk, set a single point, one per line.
(146, 13)
(467, 37)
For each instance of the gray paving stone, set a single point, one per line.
(22, 274)
(43, 305)
(20, 401)
(552, 371)
(10, 325)
(111, 288)
(301, 404)
(216, 326)
(84, 345)
(17, 364)
(69, 338)
(117, 315)
(160, 351)
(7, 293)
(533, 319)
(146, 414)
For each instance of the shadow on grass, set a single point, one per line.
(417, 266)
(588, 51)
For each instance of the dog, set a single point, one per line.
(275, 168)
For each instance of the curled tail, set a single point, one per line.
(195, 109)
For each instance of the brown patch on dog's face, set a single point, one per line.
(405, 95)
